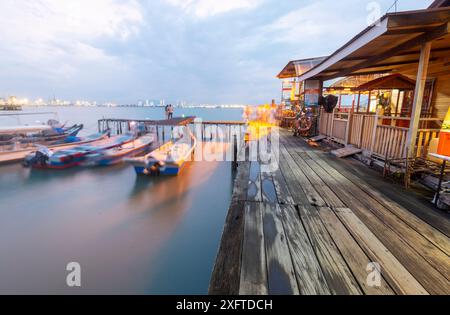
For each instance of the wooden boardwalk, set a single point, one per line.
(315, 225)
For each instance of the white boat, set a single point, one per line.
(168, 159)
(23, 129)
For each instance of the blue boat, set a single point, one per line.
(116, 155)
(74, 156)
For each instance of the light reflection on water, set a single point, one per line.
(130, 234)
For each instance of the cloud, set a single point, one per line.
(57, 38)
(207, 8)
(221, 51)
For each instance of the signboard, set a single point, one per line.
(312, 91)
(289, 91)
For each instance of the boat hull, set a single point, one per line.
(171, 170)
(79, 155)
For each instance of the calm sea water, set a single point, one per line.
(130, 234)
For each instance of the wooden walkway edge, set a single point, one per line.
(317, 226)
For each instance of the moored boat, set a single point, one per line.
(167, 159)
(117, 154)
(74, 156)
(21, 137)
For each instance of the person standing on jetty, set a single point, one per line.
(166, 111)
(170, 112)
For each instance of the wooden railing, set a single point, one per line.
(325, 123)
(390, 142)
(367, 131)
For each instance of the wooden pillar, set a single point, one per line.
(357, 104)
(418, 98)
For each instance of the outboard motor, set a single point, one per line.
(154, 169)
(39, 158)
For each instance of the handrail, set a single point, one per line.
(393, 127)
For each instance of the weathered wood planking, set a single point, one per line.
(225, 278)
(281, 240)
(313, 196)
(309, 274)
(431, 253)
(327, 194)
(406, 252)
(375, 185)
(280, 271)
(253, 277)
(297, 193)
(376, 200)
(281, 187)
(344, 152)
(240, 188)
(352, 253)
(339, 277)
(254, 182)
(402, 281)
(432, 234)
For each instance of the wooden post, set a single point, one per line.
(332, 123)
(374, 133)
(357, 104)
(349, 126)
(234, 164)
(418, 98)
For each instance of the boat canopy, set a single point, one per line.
(23, 129)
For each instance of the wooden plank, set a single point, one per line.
(281, 187)
(307, 268)
(402, 281)
(297, 194)
(225, 276)
(317, 138)
(344, 152)
(311, 194)
(339, 278)
(338, 170)
(329, 196)
(254, 182)
(429, 232)
(241, 182)
(253, 278)
(352, 253)
(280, 271)
(389, 233)
(268, 191)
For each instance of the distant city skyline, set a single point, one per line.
(201, 51)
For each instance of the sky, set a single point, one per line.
(199, 51)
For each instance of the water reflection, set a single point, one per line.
(129, 233)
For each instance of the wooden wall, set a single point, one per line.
(441, 96)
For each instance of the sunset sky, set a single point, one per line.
(200, 51)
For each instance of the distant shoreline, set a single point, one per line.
(136, 106)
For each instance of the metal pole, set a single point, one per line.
(441, 176)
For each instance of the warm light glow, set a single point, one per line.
(446, 123)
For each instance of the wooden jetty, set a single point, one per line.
(317, 224)
(120, 125)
